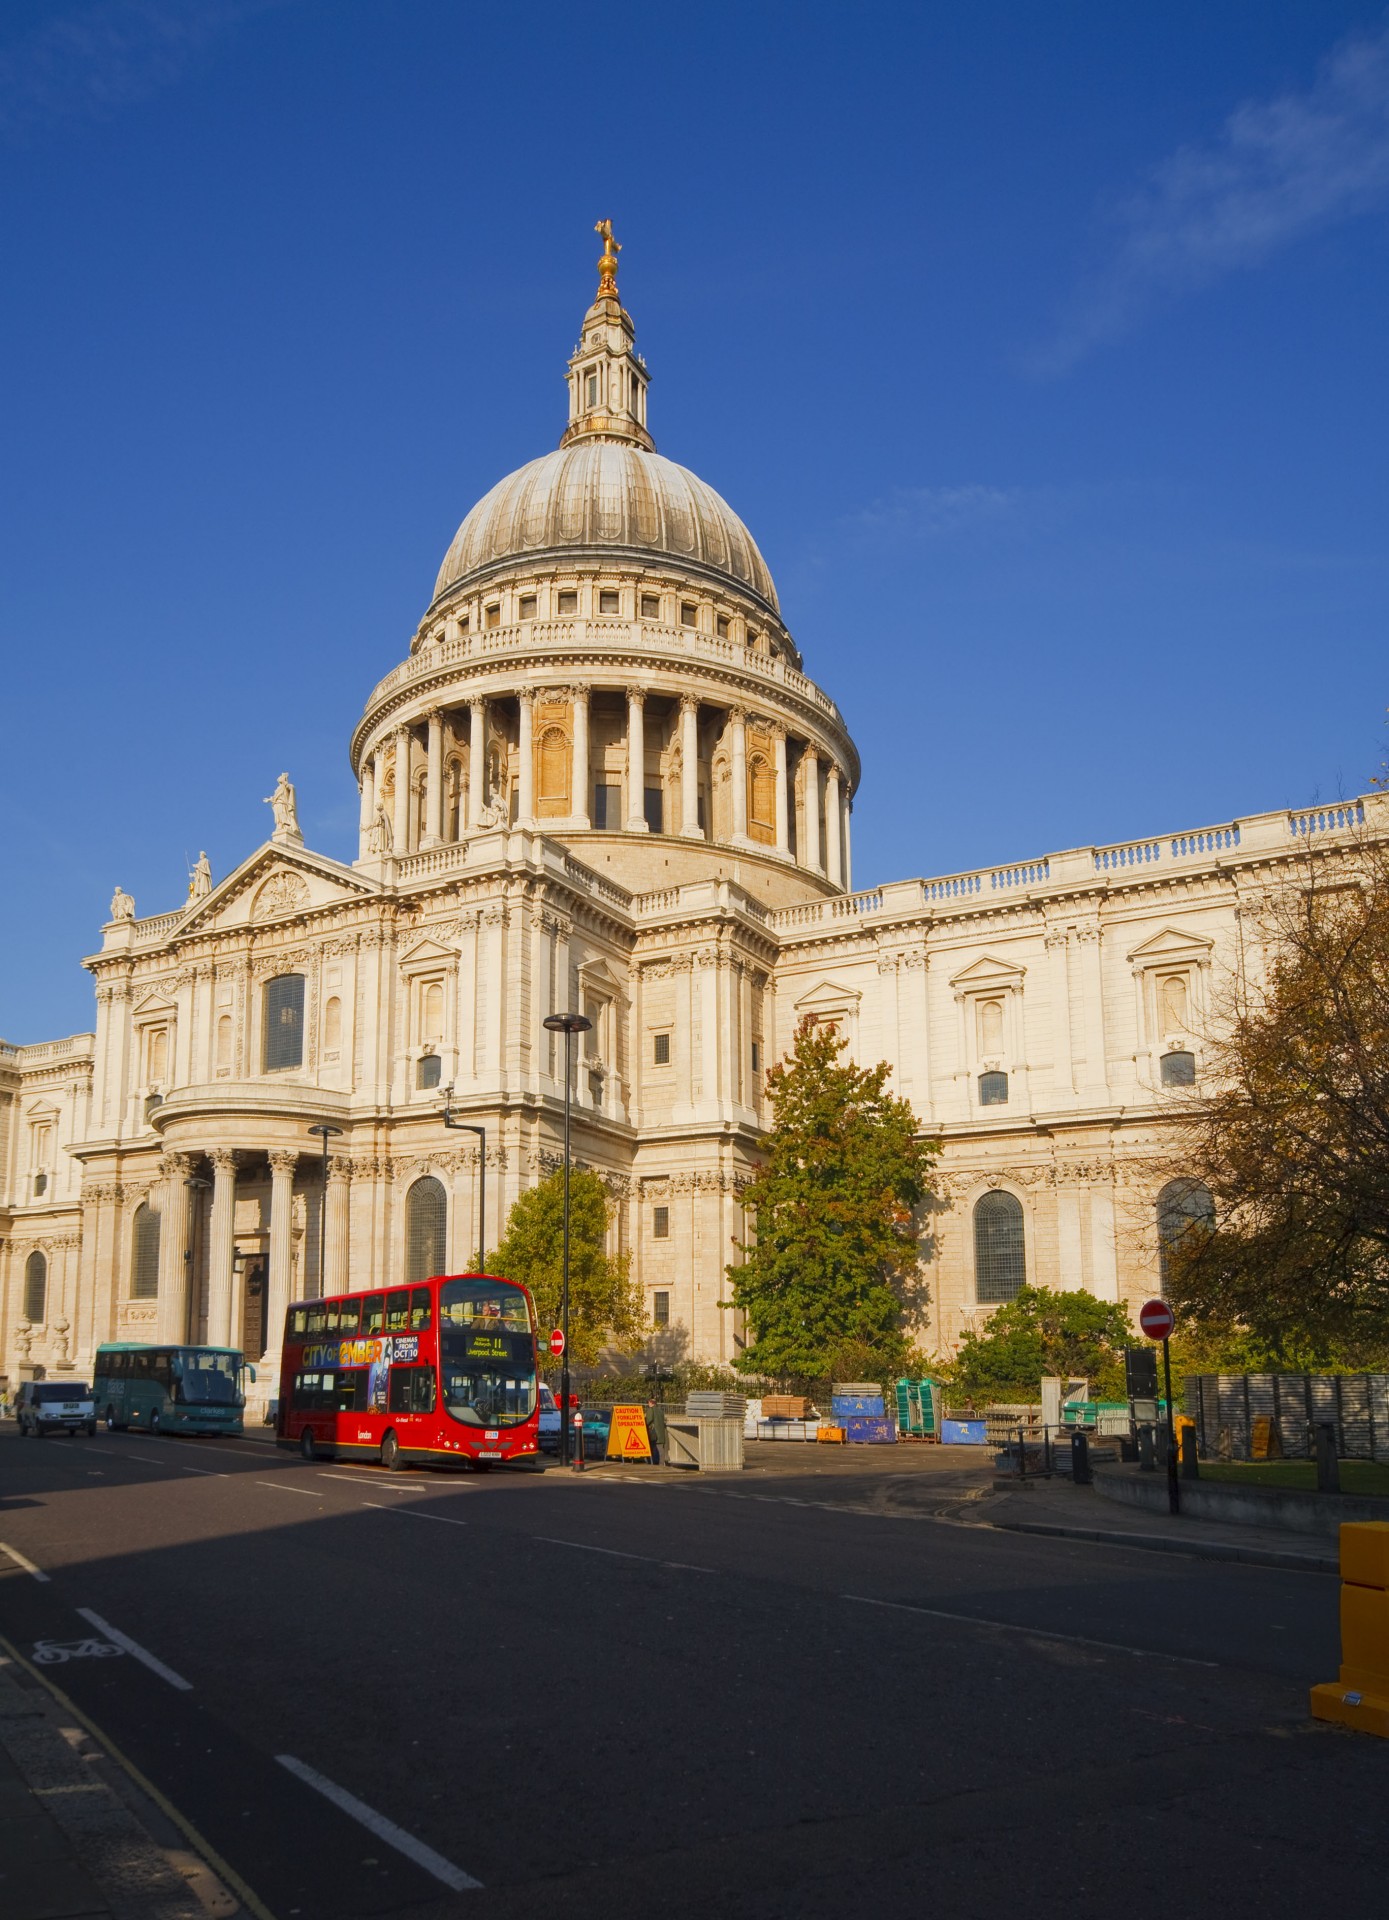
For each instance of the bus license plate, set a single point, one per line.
(489, 1453)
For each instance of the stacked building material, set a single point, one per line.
(715, 1406)
(784, 1406)
(859, 1409)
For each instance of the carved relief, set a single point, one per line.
(283, 893)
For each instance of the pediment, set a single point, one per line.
(597, 974)
(276, 883)
(427, 953)
(1170, 943)
(41, 1110)
(827, 996)
(153, 1007)
(988, 971)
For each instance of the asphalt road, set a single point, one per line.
(751, 1696)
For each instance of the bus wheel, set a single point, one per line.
(307, 1445)
(390, 1453)
(110, 1419)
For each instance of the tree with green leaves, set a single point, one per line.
(1041, 1332)
(835, 1259)
(605, 1303)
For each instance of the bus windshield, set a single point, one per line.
(207, 1379)
(486, 1353)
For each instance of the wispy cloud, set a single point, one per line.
(1279, 169)
(91, 61)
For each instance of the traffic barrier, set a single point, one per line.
(1360, 1698)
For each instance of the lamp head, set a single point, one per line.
(566, 1023)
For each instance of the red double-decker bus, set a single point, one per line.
(441, 1373)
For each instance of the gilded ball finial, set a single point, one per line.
(607, 265)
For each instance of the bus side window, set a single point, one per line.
(348, 1313)
(419, 1309)
(373, 1312)
(351, 1392)
(397, 1311)
(298, 1321)
(318, 1314)
(412, 1390)
(161, 1366)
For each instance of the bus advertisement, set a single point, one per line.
(441, 1373)
(167, 1389)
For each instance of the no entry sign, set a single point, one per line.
(557, 1343)
(1156, 1319)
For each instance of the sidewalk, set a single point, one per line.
(1079, 1513)
(72, 1844)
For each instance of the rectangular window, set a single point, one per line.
(462, 623)
(660, 1309)
(373, 1313)
(492, 616)
(654, 809)
(757, 1056)
(351, 1394)
(318, 1317)
(412, 1390)
(607, 807)
(660, 1223)
(298, 1321)
(688, 613)
(608, 601)
(526, 609)
(397, 1311)
(349, 1312)
(568, 601)
(591, 385)
(419, 1309)
(721, 626)
(284, 1022)
(660, 1052)
(650, 606)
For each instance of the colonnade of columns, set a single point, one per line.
(402, 830)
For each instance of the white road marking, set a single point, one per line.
(27, 1565)
(1031, 1633)
(615, 1553)
(384, 1829)
(442, 1518)
(133, 1458)
(136, 1651)
(382, 1485)
(210, 1472)
(280, 1487)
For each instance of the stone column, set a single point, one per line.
(367, 812)
(525, 803)
(810, 854)
(783, 830)
(434, 783)
(636, 761)
(739, 757)
(400, 826)
(689, 767)
(477, 761)
(221, 1275)
(578, 770)
(172, 1319)
(848, 849)
(834, 844)
(339, 1201)
(282, 1170)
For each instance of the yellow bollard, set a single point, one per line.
(1360, 1698)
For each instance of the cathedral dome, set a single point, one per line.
(613, 499)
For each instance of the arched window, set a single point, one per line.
(1178, 1069)
(35, 1288)
(552, 787)
(144, 1254)
(224, 1043)
(284, 1022)
(1182, 1205)
(332, 1025)
(432, 1011)
(1174, 1003)
(426, 1213)
(991, 1028)
(993, 1089)
(1000, 1261)
(761, 800)
(158, 1056)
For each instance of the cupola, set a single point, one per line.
(607, 376)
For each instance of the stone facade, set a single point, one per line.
(602, 781)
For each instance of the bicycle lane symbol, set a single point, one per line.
(53, 1653)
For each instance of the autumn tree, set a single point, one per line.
(1290, 1132)
(835, 1256)
(605, 1303)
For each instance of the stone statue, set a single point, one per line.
(200, 879)
(122, 905)
(283, 805)
(380, 839)
(494, 814)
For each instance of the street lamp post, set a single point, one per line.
(471, 1126)
(568, 1024)
(325, 1133)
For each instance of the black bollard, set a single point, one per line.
(1147, 1453)
(1328, 1466)
(1191, 1469)
(1080, 1460)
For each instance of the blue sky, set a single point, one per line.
(1042, 349)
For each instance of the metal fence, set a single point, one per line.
(1225, 1407)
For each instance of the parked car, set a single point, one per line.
(41, 1405)
(549, 1420)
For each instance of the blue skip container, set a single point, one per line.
(870, 1429)
(844, 1406)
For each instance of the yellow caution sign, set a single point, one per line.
(627, 1436)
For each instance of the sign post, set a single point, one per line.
(1157, 1320)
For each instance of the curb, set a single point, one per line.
(1165, 1543)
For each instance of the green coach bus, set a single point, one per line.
(167, 1389)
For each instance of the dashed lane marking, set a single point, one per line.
(384, 1829)
(136, 1651)
(280, 1487)
(369, 1479)
(1030, 1633)
(415, 1514)
(34, 1572)
(616, 1553)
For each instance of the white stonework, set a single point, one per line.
(600, 780)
